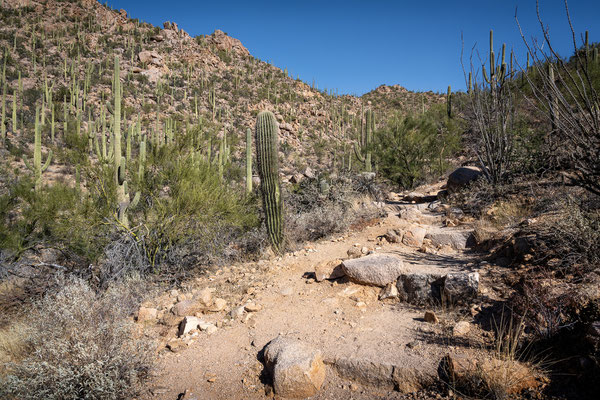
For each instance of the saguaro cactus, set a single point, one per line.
(248, 160)
(120, 162)
(364, 145)
(37, 168)
(267, 132)
(449, 102)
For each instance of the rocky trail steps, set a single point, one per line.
(348, 340)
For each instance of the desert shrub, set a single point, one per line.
(81, 345)
(318, 208)
(412, 148)
(569, 239)
(189, 216)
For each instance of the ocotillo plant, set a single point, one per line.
(248, 160)
(37, 168)
(365, 142)
(553, 100)
(267, 132)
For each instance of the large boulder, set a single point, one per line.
(420, 288)
(374, 269)
(461, 287)
(458, 240)
(367, 371)
(150, 57)
(297, 370)
(461, 177)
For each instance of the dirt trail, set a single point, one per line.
(340, 318)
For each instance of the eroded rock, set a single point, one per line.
(297, 370)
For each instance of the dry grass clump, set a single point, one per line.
(77, 344)
(499, 374)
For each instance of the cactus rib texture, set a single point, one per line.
(267, 132)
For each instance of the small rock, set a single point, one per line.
(252, 307)
(329, 270)
(183, 308)
(364, 250)
(218, 305)
(309, 173)
(188, 324)
(175, 346)
(147, 314)
(361, 304)
(392, 236)
(207, 327)
(204, 297)
(414, 236)
(390, 291)
(354, 252)
(431, 317)
(237, 312)
(297, 370)
(461, 328)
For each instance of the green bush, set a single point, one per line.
(81, 345)
(409, 149)
(57, 215)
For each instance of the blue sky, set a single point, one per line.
(354, 46)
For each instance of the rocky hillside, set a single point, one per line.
(59, 56)
(389, 99)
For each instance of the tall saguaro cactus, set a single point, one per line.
(449, 102)
(37, 168)
(267, 132)
(120, 161)
(248, 160)
(365, 141)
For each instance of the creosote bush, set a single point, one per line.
(80, 345)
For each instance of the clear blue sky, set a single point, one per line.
(355, 46)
